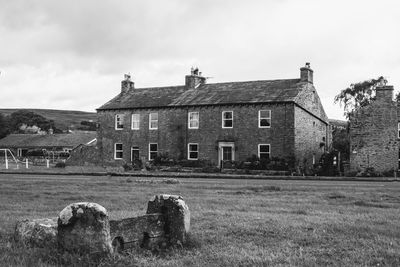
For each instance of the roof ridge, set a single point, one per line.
(252, 81)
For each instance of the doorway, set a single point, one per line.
(226, 152)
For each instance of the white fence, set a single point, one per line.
(9, 161)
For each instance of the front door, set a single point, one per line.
(226, 152)
(134, 154)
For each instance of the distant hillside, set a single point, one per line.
(63, 119)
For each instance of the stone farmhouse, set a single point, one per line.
(375, 133)
(216, 122)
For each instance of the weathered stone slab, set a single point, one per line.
(84, 228)
(176, 215)
(144, 231)
(37, 232)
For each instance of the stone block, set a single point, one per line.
(176, 216)
(37, 232)
(144, 231)
(84, 228)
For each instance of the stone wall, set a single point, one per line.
(84, 155)
(173, 134)
(373, 135)
(311, 138)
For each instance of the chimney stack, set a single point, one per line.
(306, 73)
(384, 92)
(127, 84)
(194, 80)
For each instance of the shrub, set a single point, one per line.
(369, 172)
(60, 164)
(201, 163)
(274, 163)
(127, 167)
(164, 160)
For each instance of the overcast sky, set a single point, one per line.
(73, 54)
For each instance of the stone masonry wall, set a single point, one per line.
(173, 134)
(373, 137)
(310, 134)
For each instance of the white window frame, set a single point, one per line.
(153, 120)
(260, 118)
(118, 119)
(194, 120)
(398, 130)
(152, 151)
(259, 152)
(135, 118)
(197, 151)
(120, 150)
(223, 119)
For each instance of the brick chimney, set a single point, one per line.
(306, 73)
(194, 80)
(127, 84)
(384, 92)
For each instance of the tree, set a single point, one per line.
(21, 119)
(4, 127)
(341, 142)
(358, 94)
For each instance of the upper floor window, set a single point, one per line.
(193, 120)
(119, 121)
(227, 119)
(264, 118)
(193, 151)
(118, 151)
(264, 151)
(398, 128)
(153, 121)
(135, 121)
(153, 151)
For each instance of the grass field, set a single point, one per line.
(234, 222)
(63, 119)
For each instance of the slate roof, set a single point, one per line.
(208, 94)
(46, 140)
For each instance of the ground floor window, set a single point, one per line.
(193, 151)
(134, 153)
(153, 151)
(118, 151)
(399, 159)
(264, 151)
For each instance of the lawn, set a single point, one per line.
(234, 222)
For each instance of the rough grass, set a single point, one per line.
(63, 119)
(234, 222)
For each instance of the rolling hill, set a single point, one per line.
(63, 119)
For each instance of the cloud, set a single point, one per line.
(73, 53)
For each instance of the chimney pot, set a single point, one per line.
(194, 80)
(127, 84)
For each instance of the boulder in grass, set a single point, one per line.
(84, 228)
(176, 215)
(37, 232)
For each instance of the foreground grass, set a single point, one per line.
(234, 222)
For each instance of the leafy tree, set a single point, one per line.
(341, 142)
(4, 127)
(20, 119)
(358, 94)
(88, 126)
